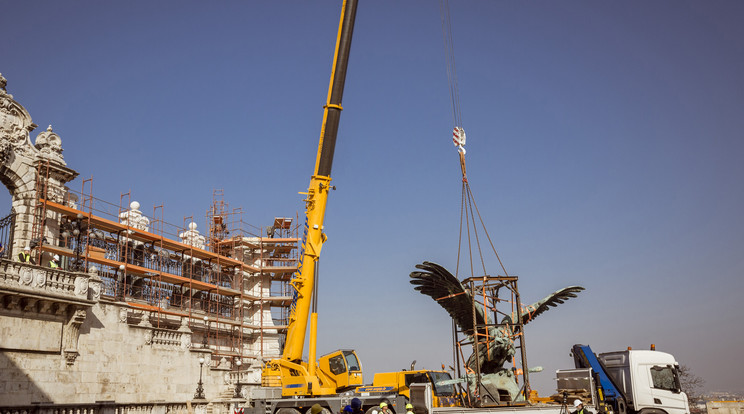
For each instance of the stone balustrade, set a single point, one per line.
(114, 408)
(26, 278)
(167, 338)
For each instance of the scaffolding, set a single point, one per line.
(265, 294)
(151, 267)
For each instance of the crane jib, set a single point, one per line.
(336, 92)
(304, 279)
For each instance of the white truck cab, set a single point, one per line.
(648, 379)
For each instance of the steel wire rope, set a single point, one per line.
(459, 243)
(485, 230)
(449, 53)
(468, 204)
(471, 202)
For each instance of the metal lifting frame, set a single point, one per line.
(494, 294)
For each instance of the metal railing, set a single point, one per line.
(7, 224)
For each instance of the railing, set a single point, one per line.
(109, 408)
(6, 235)
(169, 337)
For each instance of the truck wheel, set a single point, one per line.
(287, 411)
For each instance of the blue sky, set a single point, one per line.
(604, 150)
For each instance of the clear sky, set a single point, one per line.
(605, 148)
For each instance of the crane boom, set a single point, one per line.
(303, 280)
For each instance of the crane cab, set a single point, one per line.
(341, 368)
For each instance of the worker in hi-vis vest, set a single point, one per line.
(25, 256)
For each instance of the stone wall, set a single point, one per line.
(116, 362)
(62, 344)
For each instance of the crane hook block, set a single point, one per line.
(458, 138)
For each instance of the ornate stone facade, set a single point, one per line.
(61, 339)
(24, 165)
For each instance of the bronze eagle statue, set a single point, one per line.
(437, 282)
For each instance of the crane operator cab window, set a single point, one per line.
(352, 362)
(338, 364)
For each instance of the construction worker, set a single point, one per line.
(580, 408)
(409, 408)
(356, 406)
(54, 263)
(25, 256)
(384, 408)
(315, 409)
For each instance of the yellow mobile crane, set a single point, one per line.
(339, 370)
(336, 377)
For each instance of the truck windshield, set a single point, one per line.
(665, 378)
(351, 361)
(442, 383)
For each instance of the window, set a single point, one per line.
(352, 361)
(417, 378)
(336, 364)
(664, 378)
(442, 384)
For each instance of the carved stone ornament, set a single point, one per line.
(148, 337)
(49, 145)
(123, 315)
(185, 340)
(192, 237)
(134, 218)
(26, 276)
(15, 122)
(81, 286)
(6, 152)
(94, 290)
(40, 277)
(145, 320)
(79, 316)
(71, 356)
(94, 284)
(72, 334)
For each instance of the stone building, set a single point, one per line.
(132, 315)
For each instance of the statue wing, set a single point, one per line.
(436, 281)
(556, 298)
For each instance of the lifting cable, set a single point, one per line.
(449, 52)
(468, 209)
(468, 213)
